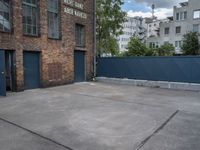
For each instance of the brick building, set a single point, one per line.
(45, 43)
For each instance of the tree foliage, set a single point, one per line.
(109, 24)
(190, 44)
(136, 47)
(166, 49)
(110, 44)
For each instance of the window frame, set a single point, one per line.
(185, 15)
(178, 44)
(37, 18)
(177, 16)
(84, 36)
(177, 28)
(197, 25)
(10, 19)
(166, 30)
(59, 21)
(198, 10)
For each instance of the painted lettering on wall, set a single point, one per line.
(73, 11)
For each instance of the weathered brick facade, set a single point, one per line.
(57, 64)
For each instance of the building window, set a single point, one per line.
(178, 44)
(183, 15)
(30, 17)
(53, 19)
(196, 14)
(166, 31)
(196, 28)
(153, 45)
(178, 30)
(177, 16)
(5, 21)
(80, 35)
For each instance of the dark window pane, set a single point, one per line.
(53, 19)
(178, 29)
(166, 30)
(80, 35)
(5, 22)
(30, 16)
(53, 5)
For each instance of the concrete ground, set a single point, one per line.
(97, 116)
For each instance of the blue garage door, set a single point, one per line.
(31, 70)
(79, 66)
(2, 74)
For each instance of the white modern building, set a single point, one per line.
(134, 26)
(186, 18)
(153, 28)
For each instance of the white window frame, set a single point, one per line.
(196, 14)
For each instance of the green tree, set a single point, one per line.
(136, 48)
(166, 49)
(190, 44)
(109, 21)
(110, 44)
(151, 52)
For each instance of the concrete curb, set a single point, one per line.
(155, 84)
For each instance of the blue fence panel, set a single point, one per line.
(173, 69)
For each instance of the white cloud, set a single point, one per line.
(161, 13)
(161, 3)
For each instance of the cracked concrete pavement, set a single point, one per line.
(97, 116)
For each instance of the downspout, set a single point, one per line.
(94, 40)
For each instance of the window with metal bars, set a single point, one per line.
(5, 19)
(53, 19)
(80, 35)
(30, 17)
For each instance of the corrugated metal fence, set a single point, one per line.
(173, 69)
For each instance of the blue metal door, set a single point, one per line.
(2, 74)
(79, 66)
(31, 70)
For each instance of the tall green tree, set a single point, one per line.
(136, 47)
(190, 44)
(109, 19)
(166, 49)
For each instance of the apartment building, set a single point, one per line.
(186, 18)
(44, 43)
(134, 26)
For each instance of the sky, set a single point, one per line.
(163, 8)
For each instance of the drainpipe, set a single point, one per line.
(94, 39)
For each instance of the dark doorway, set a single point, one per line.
(2, 74)
(31, 70)
(79, 66)
(7, 72)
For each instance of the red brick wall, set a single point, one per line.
(53, 52)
